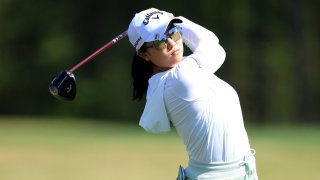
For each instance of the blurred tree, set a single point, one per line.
(272, 55)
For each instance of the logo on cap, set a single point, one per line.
(137, 41)
(148, 16)
(157, 36)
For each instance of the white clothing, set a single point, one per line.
(204, 109)
(154, 118)
(242, 169)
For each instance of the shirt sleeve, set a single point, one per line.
(204, 44)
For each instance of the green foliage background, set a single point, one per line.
(272, 55)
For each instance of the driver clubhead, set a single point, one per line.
(63, 86)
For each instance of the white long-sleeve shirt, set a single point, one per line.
(204, 109)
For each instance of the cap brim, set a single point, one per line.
(173, 21)
(166, 26)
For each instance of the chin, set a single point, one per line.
(179, 58)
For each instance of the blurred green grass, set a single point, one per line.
(72, 149)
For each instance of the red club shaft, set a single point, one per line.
(113, 41)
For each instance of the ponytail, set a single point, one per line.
(141, 71)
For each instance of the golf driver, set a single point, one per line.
(63, 86)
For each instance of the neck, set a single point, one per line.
(157, 69)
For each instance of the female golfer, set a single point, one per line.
(184, 91)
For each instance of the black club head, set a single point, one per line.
(63, 86)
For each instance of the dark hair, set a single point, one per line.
(141, 71)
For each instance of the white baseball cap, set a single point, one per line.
(149, 25)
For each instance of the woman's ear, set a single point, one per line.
(143, 55)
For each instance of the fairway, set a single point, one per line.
(70, 149)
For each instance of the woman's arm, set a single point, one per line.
(204, 44)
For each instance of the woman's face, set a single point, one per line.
(166, 58)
